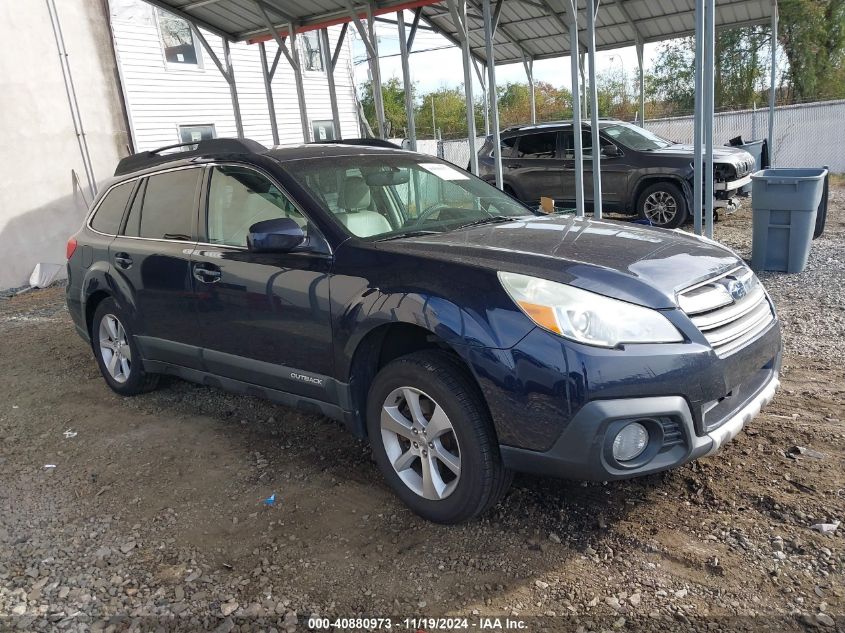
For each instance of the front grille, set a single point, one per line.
(730, 310)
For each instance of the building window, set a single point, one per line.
(181, 48)
(310, 51)
(196, 133)
(323, 130)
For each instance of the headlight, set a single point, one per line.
(585, 316)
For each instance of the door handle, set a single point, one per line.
(122, 260)
(207, 273)
(515, 165)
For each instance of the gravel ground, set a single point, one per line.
(147, 513)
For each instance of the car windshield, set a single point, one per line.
(392, 195)
(634, 137)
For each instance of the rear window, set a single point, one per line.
(537, 145)
(110, 212)
(165, 207)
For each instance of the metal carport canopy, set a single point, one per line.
(534, 28)
(501, 32)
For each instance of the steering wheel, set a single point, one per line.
(430, 210)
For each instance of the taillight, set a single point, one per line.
(71, 247)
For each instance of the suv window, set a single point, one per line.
(238, 197)
(543, 145)
(586, 144)
(507, 146)
(110, 212)
(164, 206)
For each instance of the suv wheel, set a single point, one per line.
(663, 204)
(117, 353)
(433, 439)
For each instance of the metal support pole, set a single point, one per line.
(707, 121)
(70, 91)
(491, 89)
(594, 108)
(458, 9)
(481, 74)
(583, 92)
(576, 113)
(698, 166)
(528, 63)
(296, 64)
(233, 88)
(406, 81)
(328, 66)
(293, 59)
(773, 84)
(268, 91)
(640, 53)
(374, 67)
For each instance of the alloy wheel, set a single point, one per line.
(114, 348)
(660, 207)
(420, 443)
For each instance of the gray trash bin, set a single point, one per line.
(784, 203)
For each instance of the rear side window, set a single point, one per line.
(110, 212)
(542, 145)
(164, 207)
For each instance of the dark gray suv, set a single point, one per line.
(641, 172)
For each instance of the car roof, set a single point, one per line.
(330, 150)
(551, 126)
(242, 149)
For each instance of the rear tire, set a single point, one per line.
(117, 352)
(443, 462)
(663, 204)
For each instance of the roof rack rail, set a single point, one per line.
(150, 158)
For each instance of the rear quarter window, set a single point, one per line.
(110, 211)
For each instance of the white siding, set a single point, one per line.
(160, 97)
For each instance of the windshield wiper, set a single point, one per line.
(416, 233)
(493, 219)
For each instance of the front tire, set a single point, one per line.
(433, 439)
(663, 204)
(117, 352)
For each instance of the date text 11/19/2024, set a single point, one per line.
(419, 625)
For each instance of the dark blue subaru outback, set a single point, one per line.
(465, 335)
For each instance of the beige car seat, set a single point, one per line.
(357, 216)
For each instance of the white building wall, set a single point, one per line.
(160, 97)
(38, 145)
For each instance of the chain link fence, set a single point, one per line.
(806, 135)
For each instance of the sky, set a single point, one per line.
(433, 69)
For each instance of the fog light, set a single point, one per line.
(630, 442)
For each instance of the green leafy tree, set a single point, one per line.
(393, 94)
(812, 35)
(515, 103)
(449, 114)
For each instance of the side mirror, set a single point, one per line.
(610, 150)
(279, 235)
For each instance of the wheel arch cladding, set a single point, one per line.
(387, 342)
(91, 304)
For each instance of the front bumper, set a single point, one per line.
(733, 185)
(583, 451)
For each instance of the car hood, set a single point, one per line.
(631, 262)
(732, 155)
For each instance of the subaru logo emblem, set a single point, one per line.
(737, 289)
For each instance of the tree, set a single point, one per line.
(450, 115)
(812, 34)
(515, 103)
(393, 94)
